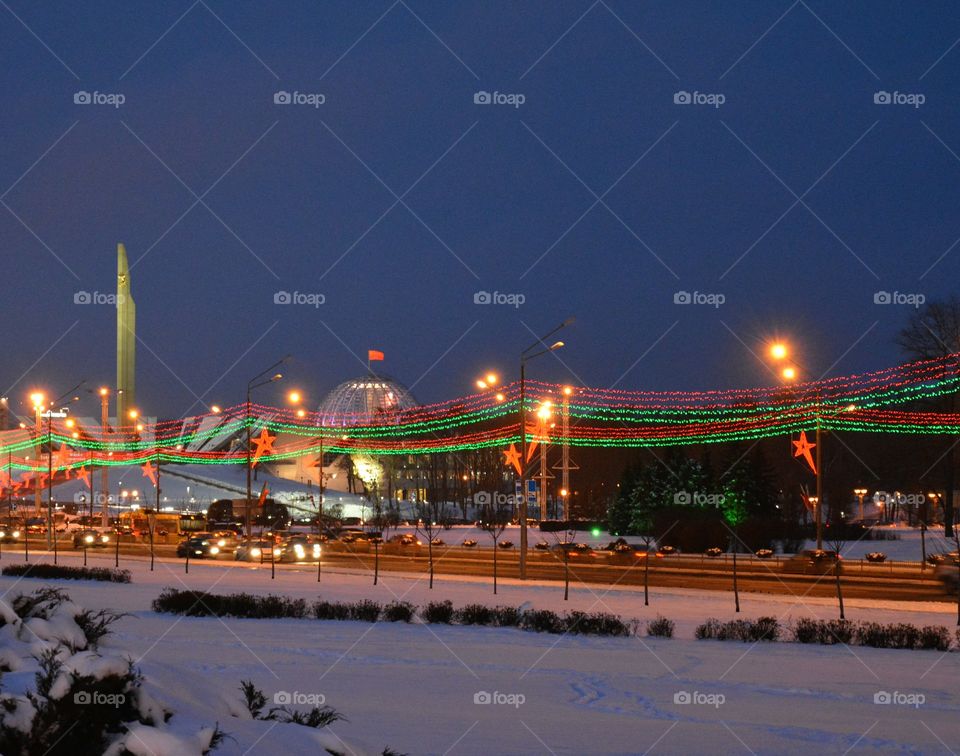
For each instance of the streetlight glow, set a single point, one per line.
(778, 350)
(789, 373)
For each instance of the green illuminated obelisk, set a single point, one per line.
(126, 340)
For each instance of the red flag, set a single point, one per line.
(263, 495)
(373, 355)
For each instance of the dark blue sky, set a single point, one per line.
(509, 202)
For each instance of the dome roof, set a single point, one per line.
(363, 400)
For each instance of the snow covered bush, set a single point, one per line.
(63, 572)
(661, 627)
(83, 701)
(438, 612)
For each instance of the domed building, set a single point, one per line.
(362, 400)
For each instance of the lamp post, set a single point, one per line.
(38, 399)
(104, 469)
(254, 383)
(860, 493)
(51, 525)
(525, 356)
(779, 352)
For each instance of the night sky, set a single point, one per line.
(399, 198)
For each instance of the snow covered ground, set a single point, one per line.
(415, 687)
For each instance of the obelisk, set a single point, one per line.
(126, 340)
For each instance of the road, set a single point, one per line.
(903, 581)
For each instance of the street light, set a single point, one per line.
(525, 356)
(860, 493)
(256, 382)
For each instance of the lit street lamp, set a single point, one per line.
(525, 356)
(254, 383)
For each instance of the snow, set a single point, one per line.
(412, 687)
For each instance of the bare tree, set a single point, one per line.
(494, 516)
(431, 517)
(837, 542)
(932, 332)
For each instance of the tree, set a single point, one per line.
(837, 542)
(933, 331)
(431, 518)
(494, 516)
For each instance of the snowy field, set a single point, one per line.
(413, 687)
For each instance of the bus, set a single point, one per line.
(176, 524)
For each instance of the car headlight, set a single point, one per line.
(2, 534)
(214, 549)
(316, 549)
(277, 551)
(298, 550)
(255, 552)
(16, 533)
(221, 543)
(88, 538)
(104, 538)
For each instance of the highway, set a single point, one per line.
(903, 581)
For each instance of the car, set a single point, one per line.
(572, 549)
(91, 538)
(814, 562)
(226, 541)
(257, 551)
(948, 570)
(10, 534)
(405, 539)
(199, 548)
(299, 548)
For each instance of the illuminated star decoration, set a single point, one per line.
(264, 443)
(536, 430)
(63, 460)
(149, 472)
(84, 475)
(802, 448)
(512, 459)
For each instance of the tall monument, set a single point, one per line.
(126, 340)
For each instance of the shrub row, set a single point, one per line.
(47, 571)
(199, 604)
(874, 634)
(748, 631)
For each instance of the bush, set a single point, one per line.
(826, 632)
(438, 612)
(364, 611)
(748, 631)
(399, 611)
(805, 630)
(507, 616)
(661, 627)
(62, 572)
(765, 629)
(475, 614)
(542, 621)
(903, 635)
(935, 637)
(200, 604)
(331, 610)
(709, 630)
(597, 623)
(872, 634)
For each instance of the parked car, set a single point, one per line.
(91, 538)
(300, 548)
(405, 539)
(814, 562)
(257, 551)
(573, 550)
